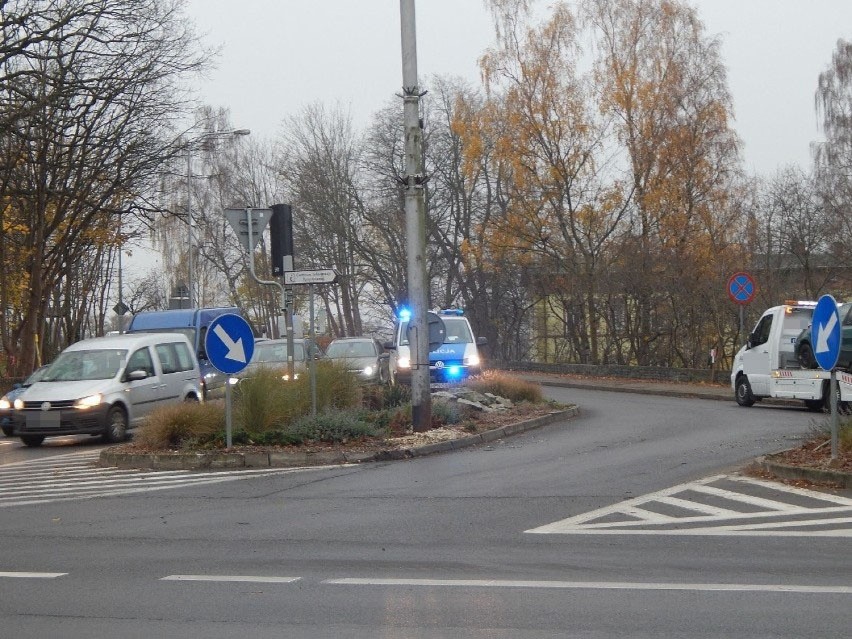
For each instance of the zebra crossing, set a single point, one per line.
(77, 476)
(729, 505)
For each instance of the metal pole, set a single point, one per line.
(190, 222)
(312, 364)
(834, 417)
(228, 438)
(415, 224)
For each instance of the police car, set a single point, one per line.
(457, 358)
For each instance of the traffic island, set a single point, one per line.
(774, 465)
(405, 448)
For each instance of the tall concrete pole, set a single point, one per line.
(415, 225)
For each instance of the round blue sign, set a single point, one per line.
(825, 332)
(229, 343)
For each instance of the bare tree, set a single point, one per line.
(89, 111)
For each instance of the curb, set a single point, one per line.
(220, 460)
(816, 475)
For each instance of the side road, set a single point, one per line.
(693, 390)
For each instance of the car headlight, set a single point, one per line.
(88, 402)
(5, 404)
(368, 370)
(403, 362)
(18, 404)
(472, 360)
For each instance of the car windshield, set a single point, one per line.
(456, 327)
(73, 366)
(351, 349)
(273, 353)
(36, 376)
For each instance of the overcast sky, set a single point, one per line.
(279, 55)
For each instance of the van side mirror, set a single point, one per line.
(750, 341)
(137, 375)
(482, 341)
(390, 346)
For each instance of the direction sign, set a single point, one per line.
(319, 276)
(826, 332)
(741, 288)
(229, 343)
(239, 219)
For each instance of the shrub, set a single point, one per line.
(172, 425)
(504, 385)
(262, 402)
(446, 412)
(332, 426)
(382, 397)
(265, 402)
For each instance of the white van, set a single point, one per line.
(454, 360)
(106, 385)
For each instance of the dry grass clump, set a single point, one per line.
(265, 402)
(505, 385)
(173, 425)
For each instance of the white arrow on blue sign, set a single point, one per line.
(826, 332)
(229, 343)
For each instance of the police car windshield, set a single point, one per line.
(458, 331)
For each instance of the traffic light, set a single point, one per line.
(281, 238)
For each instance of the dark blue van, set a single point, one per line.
(192, 322)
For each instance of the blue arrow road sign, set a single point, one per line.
(229, 343)
(825, 331)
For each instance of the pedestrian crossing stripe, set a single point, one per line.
(76, 476)
(722, 505)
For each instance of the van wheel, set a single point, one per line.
(116, 429)
(8, 430)
(742, 392)
(32, 440)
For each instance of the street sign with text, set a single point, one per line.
(239, 219)
(319, 276)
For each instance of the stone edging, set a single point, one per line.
(818, 475)
(221, 460)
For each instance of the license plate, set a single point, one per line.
(44, 419)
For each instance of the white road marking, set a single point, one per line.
(75, 476)
(592, 585)
(826, 515)
(240, 578)
(33, 575)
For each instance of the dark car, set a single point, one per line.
(272, 354)
(805, 348)
(8, 398)
(364, 356)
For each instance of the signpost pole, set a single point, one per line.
(312, 361)
(228, 439)
(834, 417)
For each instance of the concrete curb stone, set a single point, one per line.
(816, 475)
(272, 459)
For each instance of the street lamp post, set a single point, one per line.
(190, 219)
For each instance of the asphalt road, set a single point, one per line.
(515, 539)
